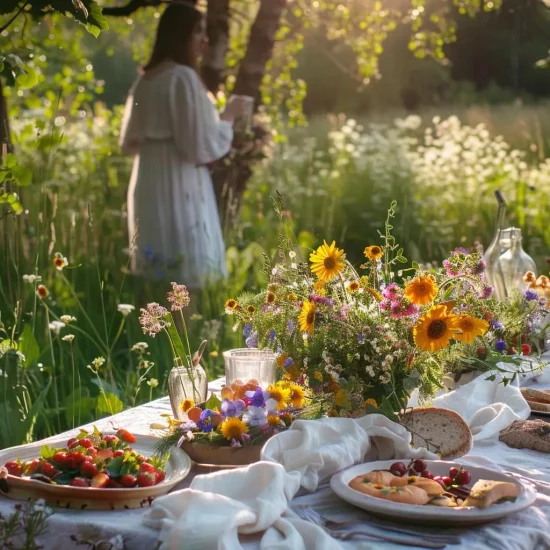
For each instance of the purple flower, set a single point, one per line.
(205, 421)
(321, 300)
(236, 444)
(460, 250)
(385, 305)
(361, 338)
(252, 340)
(449, 268)
(257, 397)
(232, 408)
(531, 295)
(344, 311)
(487, 292)
(479, 268)
(272, 334)
(290, 326)
(247, 330)
(500, 345)
(255, 416)
(497, 326)
(288, 362)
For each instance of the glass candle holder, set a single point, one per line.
(249, 364)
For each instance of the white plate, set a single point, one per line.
(65, 496)
(430, 514)
(540, 413)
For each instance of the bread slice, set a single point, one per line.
(439, 430)
(527, 434)
(538, 400)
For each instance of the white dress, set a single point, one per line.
(174, 130)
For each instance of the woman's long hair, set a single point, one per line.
(175, 30)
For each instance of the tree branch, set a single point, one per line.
(131, 7)
(17, 13)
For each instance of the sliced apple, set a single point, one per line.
(100, 480)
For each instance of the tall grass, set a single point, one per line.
(337, 178)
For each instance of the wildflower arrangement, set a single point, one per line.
(246, 415)
(362, 341)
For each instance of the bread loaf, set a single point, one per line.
(527, 434)
(538, 400)
(439, 430)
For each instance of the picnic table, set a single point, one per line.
(105, 525)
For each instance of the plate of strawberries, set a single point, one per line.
(92, 471)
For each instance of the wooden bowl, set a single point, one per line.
(221, 456)
(89, 498)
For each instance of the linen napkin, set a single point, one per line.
(217, 507)
(487, 406)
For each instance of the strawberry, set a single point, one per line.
(48, 470)
(60, 458)
(91, 453)
(118, 453)
(88, 469)
(147, 467)
(71, 442)
(159, 476)
(14, 468)
(141, 458)
(79, 482)
(146, 479)
(100, 480)
(525, 349)
(74, 459)
(111, 440)
(31, 466)
(105, 453)
(86, 443)
(114, 484)
(126, 436)
(128, 480)
(74, 444)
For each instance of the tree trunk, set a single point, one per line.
(260, 47)
(230, 181)
(5, 138)
(217, 28)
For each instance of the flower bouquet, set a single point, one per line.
(362, 341)
(232, 431)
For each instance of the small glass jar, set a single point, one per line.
(250, 364)
(514, 262)
(186, 383)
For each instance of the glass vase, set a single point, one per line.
(186, 383)
(493, 269)
(514, 262)
(250, 364)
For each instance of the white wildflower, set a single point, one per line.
(68, 338)
(140, 347)
(152, 383)
(56, 326)
(32, 279)
(125, 309)
(67, 319)
(292, 254)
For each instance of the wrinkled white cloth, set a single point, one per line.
(217, 507)
(487, 406)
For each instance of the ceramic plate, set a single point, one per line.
(431, 514)
(88, 498)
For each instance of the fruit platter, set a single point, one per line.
(433, 492)
(93, 470)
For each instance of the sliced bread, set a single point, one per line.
(439, 430)
(538, 400)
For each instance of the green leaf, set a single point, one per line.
(29, 347)
(28, 78)
(47, 451)
(109, 403)
(27, 426)
(10, 160)
(105, 386)
(176, 340)
(64, 478)
(213, 403)
(114, 466)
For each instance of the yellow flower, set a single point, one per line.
(374, 293)
(318, 376)
(270, 297)
(433, 330)
(327, 261)
(292, 297)
(186, 405)
(318, 285)
(373, 252)
(421, 290)
(279, 394)
(297, 395)
(292, 373)
(42, 291)
(371, 402)
(231, 305)
(471, 327)
(250, 309)
(353, 286)
(307, 317)
(233, 428)
(60, 261)
(273, 420)
(281, 360)
(340, 398)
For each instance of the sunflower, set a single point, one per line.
(421, 290)
(307, 317)
(273, 420)
(297, 395)
(471, 327)
(186, 405)
(231, 305)
(270, 297)
(433, 330)
(327, 261)
(371, 402)
(373, 292)
(373, 252)
(353, 286)
(292, 297)
(250, 309)
(318, 286)
(233, 428)
(279, 394)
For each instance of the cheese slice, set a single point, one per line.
(485, 493)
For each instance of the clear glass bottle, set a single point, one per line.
(493, 270)
(186, 383)
(515, 262)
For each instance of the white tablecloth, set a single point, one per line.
(104, 525)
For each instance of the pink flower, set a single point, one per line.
(391, 291)
(178, 297)
(152, 319)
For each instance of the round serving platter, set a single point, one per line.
(88, 498)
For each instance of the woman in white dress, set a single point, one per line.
(173, 129)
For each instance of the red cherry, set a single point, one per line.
(441, 482)
(419, 465)
(464, 478)
(447, 480)
(14, 468)
(453, 472)
(398, 469)
(426, 474)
